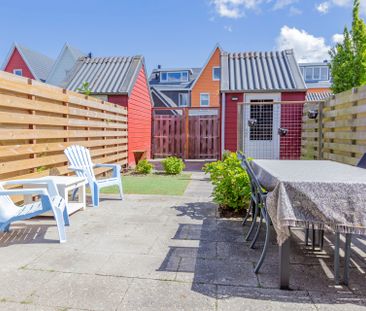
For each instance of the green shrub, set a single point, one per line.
(144, 167)
(231, 182)
(173, 165)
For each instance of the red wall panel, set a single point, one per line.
(231, 120)
(291, 119)
(16, 62)
(139, 116)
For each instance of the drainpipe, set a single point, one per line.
(223, 103)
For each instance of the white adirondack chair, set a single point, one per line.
(50, 201)
(82, 165)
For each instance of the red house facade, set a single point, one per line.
(257, 114)
(123, 81)
(27, 63)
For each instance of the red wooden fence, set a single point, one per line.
(186, 136)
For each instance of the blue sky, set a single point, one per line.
(174, 32)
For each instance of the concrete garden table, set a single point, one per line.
(326, 194)
(65, 184)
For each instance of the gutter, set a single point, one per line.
(223, 106)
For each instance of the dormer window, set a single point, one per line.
(174, 76)
(315, 73)
(18, 72)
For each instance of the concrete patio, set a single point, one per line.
(164, 253)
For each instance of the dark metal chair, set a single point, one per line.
(258, 197)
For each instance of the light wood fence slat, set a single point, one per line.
(38, 121)
(342, 130)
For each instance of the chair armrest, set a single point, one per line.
(108, 165)
(73, 168)
(51, 186)
(34, 191)
(116, 168)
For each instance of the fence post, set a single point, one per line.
(186, 130)
(320, 131)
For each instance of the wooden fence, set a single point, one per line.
(38, 121)
(339, 132)
(186, 134)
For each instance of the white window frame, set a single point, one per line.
(213, 73)
(312, 68)
(208, 99)
(20, 70)
(180, 101)
(172, 72)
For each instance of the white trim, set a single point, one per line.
(18, 69)
(208, 98)
(168, 72)
(213, 73)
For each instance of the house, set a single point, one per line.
(188, 87)
(318, 80)
(253, 85)
(123, 81)
(27, 63)
(62, 66)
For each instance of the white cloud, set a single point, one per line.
(307, 47)
(280, 4)
(234, 8)
(337, 38)
(228, 28)
(295, 11)
(325, 6)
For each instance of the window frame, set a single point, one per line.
(213, 73)
(208, 99)
(173, 72)
(180, 101)
(19, 70)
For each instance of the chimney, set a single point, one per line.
(90, 55)
(159, 66)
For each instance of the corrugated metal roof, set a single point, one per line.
(318, 96)
(260, 71)
(40, 64)
(106, 75)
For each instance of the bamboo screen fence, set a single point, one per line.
(38, 121)
(339, 131)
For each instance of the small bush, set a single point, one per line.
(231, 182)
(144, 167)
(173, 165)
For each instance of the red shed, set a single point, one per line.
(27, 63)
(123, 81)
(256, 89)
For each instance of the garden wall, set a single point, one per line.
(339, 131)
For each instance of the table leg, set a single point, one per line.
(347, 256)
(285, 264)
(82, 197)
(336, 258)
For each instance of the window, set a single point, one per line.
(174, 76)
(263, 114)
(318, 73)
(204, 99)
(183, 100)
(18, 72)
(324, 74)
(216, 73)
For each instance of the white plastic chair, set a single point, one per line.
(50, 201)
(82, 165)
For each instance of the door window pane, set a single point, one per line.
(183, 99)
(263, 116)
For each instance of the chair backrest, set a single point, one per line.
(362, 162)
(7, 207)
(79, 157)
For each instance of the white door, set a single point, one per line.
(261, 123)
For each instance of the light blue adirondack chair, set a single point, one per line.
(82, 165)
(50, 201)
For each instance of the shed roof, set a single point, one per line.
(261, 71)
(106, 75)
